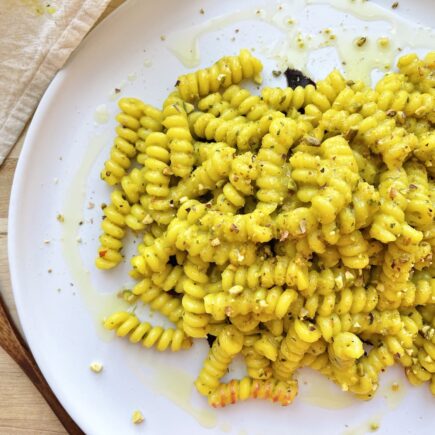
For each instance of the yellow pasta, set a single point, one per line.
(292, 227)
(124, 148)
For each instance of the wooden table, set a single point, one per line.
(22, 409)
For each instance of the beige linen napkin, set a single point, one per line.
(36, 38)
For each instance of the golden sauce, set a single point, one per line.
(394, 393)
(99, 304)
(174, 384)
(185, 44)
(296, 45)
(368, 426)
(319, 391)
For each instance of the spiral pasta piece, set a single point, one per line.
(272, 182)
(379, 322)
(149, 123)
(217, 106)
(227, 344)
(420, 209)
(225, 72)
(257, 365)
(399, 260)
(389, 221)
(123, 149)
(235, 132)
(113, 231)
(341, 175)
(275, 301)
(281, 270)
(195, 317)
(175, 113)
(300, 335)
(154, 257)
(247, 388)
(206, 176)
(151, 336)
(348, 300)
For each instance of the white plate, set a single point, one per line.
(58, 172)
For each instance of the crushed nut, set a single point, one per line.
(312, 140)
(374, 427)
(393, 193)
(147, 220)
(234, 228)
(303, 226)
(91, 205)
(96, 367)
(303, 312)
(283, 236)
(137, 417)
(361, 41)
(215, 242)
(235, 290)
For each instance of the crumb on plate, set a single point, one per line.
(96, 367)
(137, 417)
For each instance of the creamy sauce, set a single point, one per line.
(99, 304)
(297, 46)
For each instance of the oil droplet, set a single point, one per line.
(225, 427)
(394, 393)
(368, 426)
(172, 383)
(178, 387)
(101, 115)
(319, 391)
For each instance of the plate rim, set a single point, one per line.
(18, 185)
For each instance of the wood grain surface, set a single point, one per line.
(22, 408)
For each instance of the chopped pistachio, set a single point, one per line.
(137, 417)
(96, 367)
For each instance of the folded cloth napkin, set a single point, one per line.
(36, 38)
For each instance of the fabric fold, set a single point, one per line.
(36, 40)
